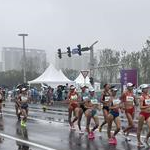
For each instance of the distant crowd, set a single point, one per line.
(46, 94)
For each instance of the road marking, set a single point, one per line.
(130, 134)
(65, 113)
(46, 121)
(49, 111)
(39, 120)
(26, 142)
(40, 109)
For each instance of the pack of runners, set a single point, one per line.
(86, 103)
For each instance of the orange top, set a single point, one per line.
(127, 96)
(146, 99)
(73, 97)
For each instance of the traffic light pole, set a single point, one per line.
(92, 60)
(91, 48)
(107, 66)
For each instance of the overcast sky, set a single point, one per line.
(53, 24)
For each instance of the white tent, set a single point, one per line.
(80, 80)
(63, 76)
(51, 77)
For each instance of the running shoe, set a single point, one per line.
(85, 130)
(115, 140)
(81, 132)
(1, 139)
(146, 144)
(111, 141)
(44, 108)
(19, 118)
(100, 129)
(127, 139)
(72, 128)
(123, 133)
(23, 123)
(126, 136)
(100, 134)
(91, 135)
(140, 144)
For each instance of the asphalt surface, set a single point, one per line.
(43, 132)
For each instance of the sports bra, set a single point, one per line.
(146, 100)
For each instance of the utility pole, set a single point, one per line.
(24, 57)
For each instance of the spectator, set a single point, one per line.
(66, 88)
(59, 93)
(50, 96)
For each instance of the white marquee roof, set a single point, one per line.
(80, 79)
(51, 76)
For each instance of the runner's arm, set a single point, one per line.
(135, 101)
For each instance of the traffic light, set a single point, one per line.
(91, 80)
(69, 51)
(59, 53)
(79, 49)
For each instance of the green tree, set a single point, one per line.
(13, 77)
(144, 63)
(108, 57)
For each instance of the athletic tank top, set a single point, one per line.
(24, 98)
(106, 96)
(146, 101)
(84, 96)
(94, 100)
(128, 97)
(116, 101)
(73, 96)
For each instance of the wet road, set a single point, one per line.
(42, 133)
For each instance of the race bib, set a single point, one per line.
(85, 98)
(107, 98)
(23, 98)
(94, 101)
(130, 99)
(116, 102)
(74, 97)
(147, 101)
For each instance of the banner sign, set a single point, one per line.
(128, 76)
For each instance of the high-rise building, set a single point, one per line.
(12, 59)
(1, 67)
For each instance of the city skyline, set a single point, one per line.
(12, 59)
(53, 24)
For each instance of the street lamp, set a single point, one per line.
(92, 59)
(24, 57)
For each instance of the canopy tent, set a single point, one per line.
(63, 76)
(51, 77)
(80, 80)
